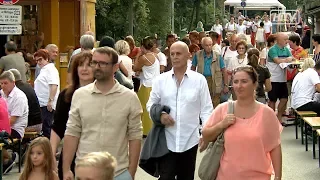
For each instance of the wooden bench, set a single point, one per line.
(314, 123)
(31, 135)
(1, 160)
(299, 115)
(318, 132)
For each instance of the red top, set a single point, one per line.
(297, 53)
(133, 54)
(4, 116)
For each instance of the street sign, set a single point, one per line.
(8, 2)
(243, 4)
(10, 29)
(10, 14)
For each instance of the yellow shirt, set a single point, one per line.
(105, 122)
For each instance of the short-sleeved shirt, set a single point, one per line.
(207, 64)
(4, 116)
(267, 26)
(248, 141)
(303, 87)
(17, 106)
(49, 75)
(277, 73)
(264, 74)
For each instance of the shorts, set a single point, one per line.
(279, 91)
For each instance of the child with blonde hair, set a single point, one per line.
(97, 166)
(39, 161)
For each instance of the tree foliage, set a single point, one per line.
(152, 17)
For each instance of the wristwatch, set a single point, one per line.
(50, 99)
(226, 85)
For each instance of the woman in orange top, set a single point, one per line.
(296, 50)
(252, 136)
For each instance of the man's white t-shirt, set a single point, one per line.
(162, 59)
(241, 29)
(227, 55)
(231, 27)
(267, 26)
(217, 28)
(303, 87)
(255, 26)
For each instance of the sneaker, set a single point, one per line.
(16, 157)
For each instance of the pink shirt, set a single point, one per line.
(4, 116)
(248, 144)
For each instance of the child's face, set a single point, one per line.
(88, 173)
(37, 156)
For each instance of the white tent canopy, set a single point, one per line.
(255, 4)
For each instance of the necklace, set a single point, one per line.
(241, 61)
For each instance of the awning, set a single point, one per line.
(255, 4)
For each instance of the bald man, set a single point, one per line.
(211, 65)
(186, 93)
(279, 53)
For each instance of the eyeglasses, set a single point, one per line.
(247, 68)
(100, 63)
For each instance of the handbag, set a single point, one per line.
(123, 80)
(210, 163)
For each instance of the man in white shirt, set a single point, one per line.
(304, 86)
(215, 47)
(241, 28)
(255, 25)
(187, 94)
(231, 27)
(218, 29)
(267, 26)
(17, 104)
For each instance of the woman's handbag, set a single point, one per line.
(210, 163)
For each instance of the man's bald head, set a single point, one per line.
(179, 53)
(234, 39)
(182, 45)
(282, 39)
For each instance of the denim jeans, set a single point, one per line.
(124, 176)
(47, 119)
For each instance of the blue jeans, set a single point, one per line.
(124, 176)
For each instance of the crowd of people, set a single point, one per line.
(119, 93)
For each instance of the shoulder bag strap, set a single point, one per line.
(225, 50)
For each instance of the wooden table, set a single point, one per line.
(299, 115)
(318, 132)
(314, 122)
(1, 160)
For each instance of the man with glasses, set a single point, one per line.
(104, 115)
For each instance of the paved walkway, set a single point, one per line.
(297, 163)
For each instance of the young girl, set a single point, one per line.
(39, 161)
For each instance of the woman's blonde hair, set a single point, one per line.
(122, 47)
(308, 63)
(101, 160)
(44, 143)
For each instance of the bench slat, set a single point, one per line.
(306, 113)
(314, 122)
